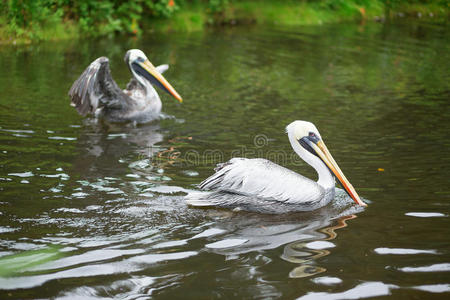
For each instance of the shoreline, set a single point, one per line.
(191, 18)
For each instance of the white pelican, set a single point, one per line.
(96, 92)
(243, 182)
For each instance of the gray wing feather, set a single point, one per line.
(263, 179)
(96, 88)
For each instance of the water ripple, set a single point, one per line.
(434, 288)
(364, 290)
(402, 251)
(425, 214)
(132, 264)
(325, 280)
(444, 267)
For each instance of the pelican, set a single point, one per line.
(96, 92)
(243, 182)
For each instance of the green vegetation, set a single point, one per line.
(33, 20)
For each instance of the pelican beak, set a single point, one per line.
(325, 155)
(148, 70)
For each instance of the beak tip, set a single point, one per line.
(361, 203)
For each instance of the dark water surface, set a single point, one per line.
(91, 210)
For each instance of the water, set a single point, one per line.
(92, 210)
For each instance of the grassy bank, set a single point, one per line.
(59, 19)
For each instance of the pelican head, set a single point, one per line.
(309, 139)
(143, 69)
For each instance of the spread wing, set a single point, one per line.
(162, 68)
(262, 178)
(96, 88)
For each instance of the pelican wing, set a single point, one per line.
(262, 178)
(96, 88)
(162, 68)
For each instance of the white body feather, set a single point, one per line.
(241, 181)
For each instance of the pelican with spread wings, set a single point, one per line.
(96, 92)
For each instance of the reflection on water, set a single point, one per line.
(96, 210)
(304, 253)
(364, 290)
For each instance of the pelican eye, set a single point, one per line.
(313, 137)
(140, 59)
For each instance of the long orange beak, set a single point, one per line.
(324, 154)
(157, 79)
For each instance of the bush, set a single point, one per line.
(94, 17)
